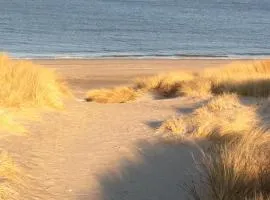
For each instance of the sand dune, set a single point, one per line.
(104, 152)
(107, 151)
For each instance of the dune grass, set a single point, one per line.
(25, 85)
(240, 67)
(222, 116)
(246, 78)
(198, 87)
(9, 125)
(29, 85)
(10, 178)
(115, 95)
(237, 165)
(165, 85)
(238, 169)
(243, 78)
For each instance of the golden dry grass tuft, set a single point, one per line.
(115, 95)
(198, 87)
(240, 67)
(222, 116)
(246, 78)
(24, 84)
(243, 78)
(9, 125)
(237, 166)
(164, 84)
(176, 126)
(10, 178)
(238, 169)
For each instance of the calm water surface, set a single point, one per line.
(91, 28)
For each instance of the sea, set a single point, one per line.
(135, 28)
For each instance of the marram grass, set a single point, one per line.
(237, 169)
(115, 95)
(10, 176)
(9, 125)
(164, 84)
(24, 84)
(221, 117)
(245, 78)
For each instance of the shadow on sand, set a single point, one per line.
(160, 171)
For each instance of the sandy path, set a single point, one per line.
(95, 151)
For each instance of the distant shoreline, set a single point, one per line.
(139, 57)
(147, 58)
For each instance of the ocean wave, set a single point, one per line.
(140, 56)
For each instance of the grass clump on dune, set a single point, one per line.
(238, 169)
(256, 86)
(26, 84)
(198, 87)
(8, 124)
(244, 78)
(222, 116)
(240, 67)
(175, 125)
(115, 95)
(10, 178)
(165, 84)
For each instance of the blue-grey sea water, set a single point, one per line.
(93, 28)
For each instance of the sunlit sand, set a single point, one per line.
(139, 129)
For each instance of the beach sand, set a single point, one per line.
(94, 151)
(95, 73)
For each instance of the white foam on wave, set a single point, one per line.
(134, 55)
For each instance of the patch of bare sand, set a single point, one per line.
(96, 151)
